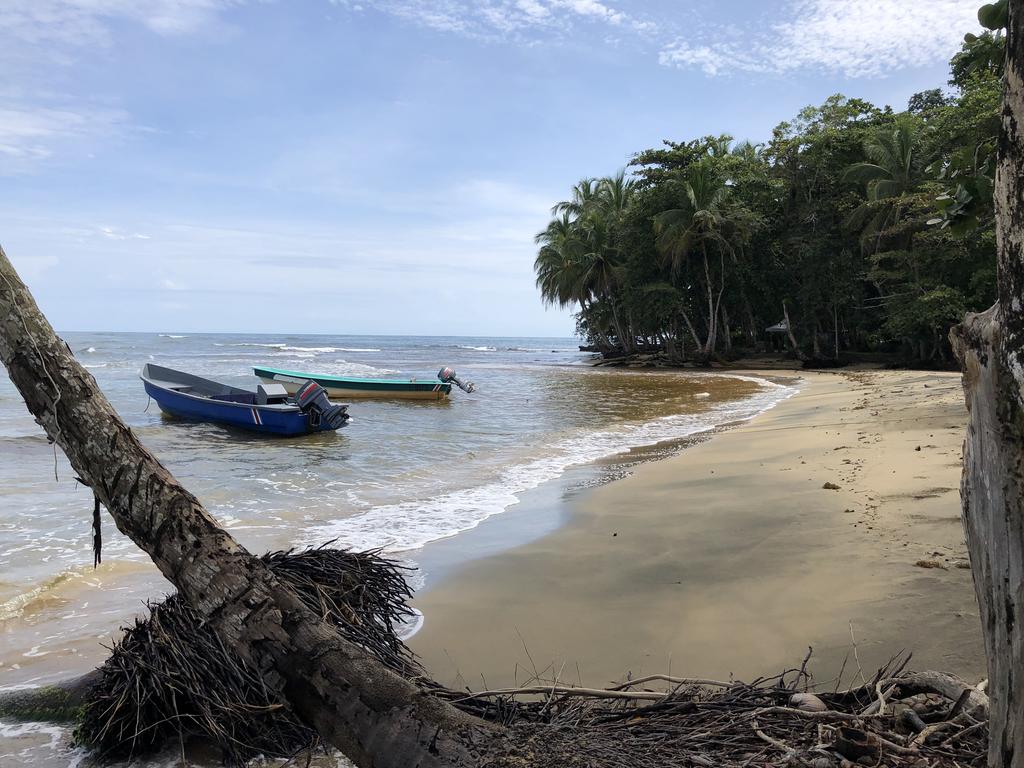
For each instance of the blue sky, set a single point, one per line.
(363, 166)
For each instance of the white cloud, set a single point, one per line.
(857, 38)
(711, 59)
(503, 18)
(84, 22)
(112, 234)
(591, 8)
(29, 134)
(40, 40)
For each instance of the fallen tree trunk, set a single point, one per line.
(372, 714)
(990, 346)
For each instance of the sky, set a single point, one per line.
(381, 166)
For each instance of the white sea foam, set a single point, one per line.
(357, 349)
(341, 367)
(282, 347)
(42, 744)
(409, 525)
(20, 730)
(477, 349)
(171, 336)
(91, 349)
(94, 365)
(415, 623)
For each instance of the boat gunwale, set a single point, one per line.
(275, 407)
(435, 384)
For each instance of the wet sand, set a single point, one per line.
(732, 558)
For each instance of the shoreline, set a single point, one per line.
(545, 508)
(731, 558)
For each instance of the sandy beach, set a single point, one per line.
(734, 556)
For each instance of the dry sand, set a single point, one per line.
(731, 557)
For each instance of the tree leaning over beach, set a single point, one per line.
(356, 703)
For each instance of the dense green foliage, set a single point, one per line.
(858, 228)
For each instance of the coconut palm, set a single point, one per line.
(557, 264)
(578, 262)
(585, 195)
(702, 219)
(896, 166)
(614, 194)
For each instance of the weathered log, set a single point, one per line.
(950, 686)
(369, 712)
(990, 347)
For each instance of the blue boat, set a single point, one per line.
(269, 409)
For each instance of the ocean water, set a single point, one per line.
(401, 475)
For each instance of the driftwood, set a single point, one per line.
(990, 347)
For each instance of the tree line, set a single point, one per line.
(855, 229)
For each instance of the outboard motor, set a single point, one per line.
(447, 375)
(313, 401)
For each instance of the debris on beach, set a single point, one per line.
(895, 718)
(170, 679)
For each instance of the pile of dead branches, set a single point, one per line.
(896, 718)
(170, 677)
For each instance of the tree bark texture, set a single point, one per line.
(373, 715)
(990, 346)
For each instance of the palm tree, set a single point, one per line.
(557, 265)
(703, 219)
(578, 262)
(600, 264)
(584, 196)
(573, 268)
(896, 166)
(614, 194)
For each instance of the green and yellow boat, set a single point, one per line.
(349, 387)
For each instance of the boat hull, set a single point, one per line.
(344, 389)
(252, 418)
